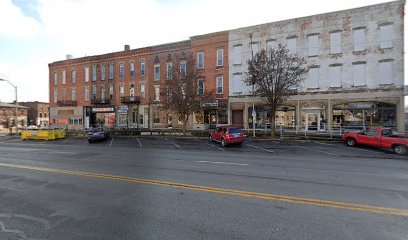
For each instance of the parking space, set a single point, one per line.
(329, 149)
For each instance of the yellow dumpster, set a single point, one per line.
(50, 134)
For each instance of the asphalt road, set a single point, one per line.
(173, 188)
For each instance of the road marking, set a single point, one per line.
(50, 151)
(15, 140)
(359, 149)
(315, 150)
(140, 143)
(110, 145)
(178, 146)
(223, 191)
(226, 163)
(260, 148)
(216, 147)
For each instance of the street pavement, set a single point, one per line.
(189, 188)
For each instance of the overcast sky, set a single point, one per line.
(34, 33)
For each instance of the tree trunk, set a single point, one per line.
(273, 129)
(185, 119)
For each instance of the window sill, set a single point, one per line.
(386, 48)
(360, 52)
(335, 88)
(313, 56)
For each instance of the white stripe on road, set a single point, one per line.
(140, 143)
(50, 151)
(110, 145)
(178, 146)
(354, 148)
(7, 141)
(260, 148)
(311, 149)
(216, 147)
(226, 163)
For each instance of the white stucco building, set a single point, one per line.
(356, 68)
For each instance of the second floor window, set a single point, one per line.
(73, 76)
(132, 69)
(142, 68)
(386, 36)
(103, 93)
(142, 90)
(103, 73)
(313, 78)
(111, 73)
(55, 95)
(220, 85)
(93, 92)
(55, 78)
(183, 69)
(132, 90)
(200, 60)
(169, 71)
(73, 94)
(111, 92)
(385, 72)
(359, 74)
(86, 95)
(220, 57)
(122, 90)
(335, 76)
(200, 87)
(156, 72)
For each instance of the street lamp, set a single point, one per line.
(15, 114)
(253, 92)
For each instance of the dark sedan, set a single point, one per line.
(97, 135)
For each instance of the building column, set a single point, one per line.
(329, 118)
(400, 114)
(246, 115)
(229, 114)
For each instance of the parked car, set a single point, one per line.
(380, 138)
(352, 126)
(227, 135)
(95, 135)
(32, 127)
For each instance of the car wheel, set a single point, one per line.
(400, 149)
(223, 142)
(351, 142)
(210, 138)
(90, 141)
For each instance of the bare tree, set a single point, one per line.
(276, 76)
(183, 91)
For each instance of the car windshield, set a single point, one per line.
(234, 130)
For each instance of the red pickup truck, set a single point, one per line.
(378, 137)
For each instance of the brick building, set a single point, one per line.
(38, 113)
(355, 60)
(7, 113)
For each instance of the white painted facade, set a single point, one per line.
(353, 55)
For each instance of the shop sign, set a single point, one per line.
(101, 110)
(360, 105)
(123, 109)
(210, 103)
(65, 112)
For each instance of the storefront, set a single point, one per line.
(102, 117)
(285, 116)
(313, 116)
(365, 114)
(214, 113)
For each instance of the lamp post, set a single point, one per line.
(253, 92)
(15, 114)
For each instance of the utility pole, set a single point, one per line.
(16, 110)
(253, 92)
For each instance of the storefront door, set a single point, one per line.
(312, 121)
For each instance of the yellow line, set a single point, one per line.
(265, 196)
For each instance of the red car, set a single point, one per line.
(227, 135)
(378, 137)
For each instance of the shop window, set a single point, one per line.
(141, 118)
(222, 117)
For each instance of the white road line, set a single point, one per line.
(328, 153)
(354, 148)
(178, 146)
(50, 151)
(140, 143)
(226, 163)
(216, 147)
(110, 145)
(15, 140)
(260, 148)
